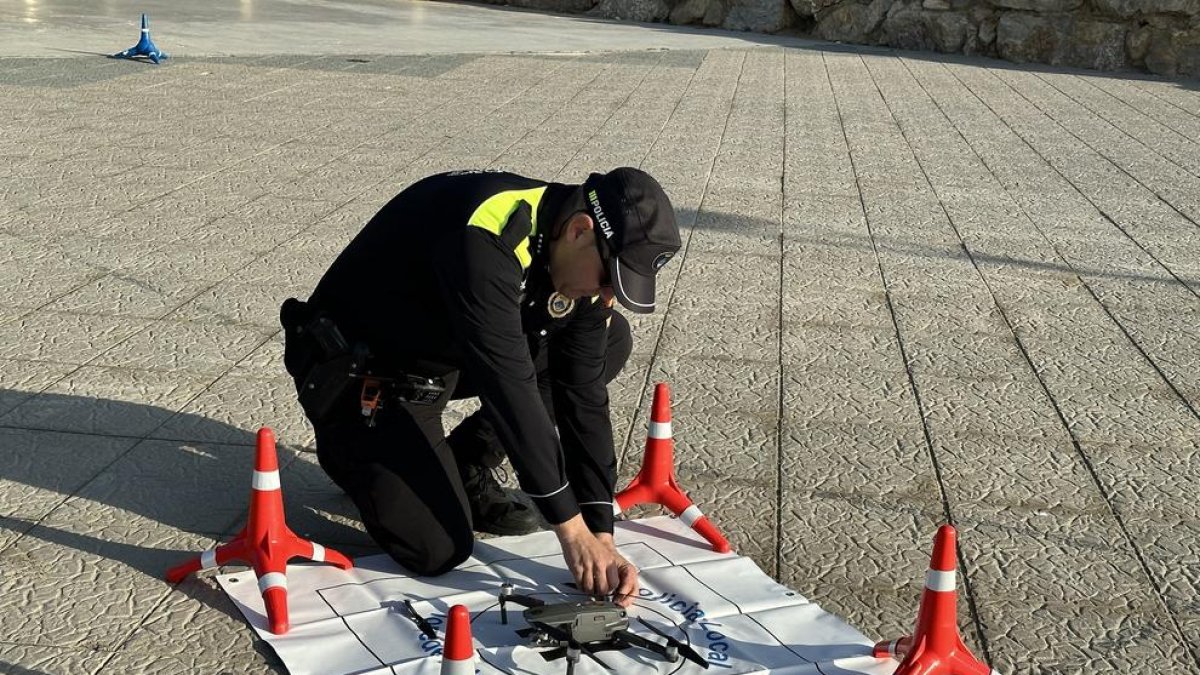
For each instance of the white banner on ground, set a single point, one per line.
(730, 612)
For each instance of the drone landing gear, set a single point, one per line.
(572, 659)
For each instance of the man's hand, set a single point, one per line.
(595, 563)
(627, 583)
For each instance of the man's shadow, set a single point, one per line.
(86, 474)
(104, 493)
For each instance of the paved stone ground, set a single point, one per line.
(912, 289)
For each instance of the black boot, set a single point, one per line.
(493, 510)
(479, 452)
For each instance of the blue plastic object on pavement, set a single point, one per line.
(145, 47)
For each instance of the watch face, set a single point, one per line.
(559, 305)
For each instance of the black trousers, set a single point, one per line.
(402, 473)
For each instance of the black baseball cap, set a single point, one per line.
(635, 231)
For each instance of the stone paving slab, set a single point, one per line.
(912, 289)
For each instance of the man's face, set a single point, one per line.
(576, 268)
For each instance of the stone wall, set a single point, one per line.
(1162, 36)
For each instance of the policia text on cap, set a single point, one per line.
(493, 285)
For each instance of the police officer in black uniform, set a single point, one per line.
(485, 284)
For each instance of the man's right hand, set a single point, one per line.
(598, 568)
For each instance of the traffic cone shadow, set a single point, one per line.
(458, 656)
(265, 543)
(655, 483)
(145, 47)
(935, 647)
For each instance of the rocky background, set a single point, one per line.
(1161, 36)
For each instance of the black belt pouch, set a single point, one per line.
(317, 357)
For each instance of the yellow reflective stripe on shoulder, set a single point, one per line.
(493, 214)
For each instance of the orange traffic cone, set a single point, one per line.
(458, 657)
(936, 648)
(655, 483)
(265, 542)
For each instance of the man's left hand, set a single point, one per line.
(627, 585)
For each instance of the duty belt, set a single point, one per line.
(324, 364)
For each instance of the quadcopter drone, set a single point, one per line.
(587, 627)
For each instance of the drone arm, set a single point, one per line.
(523, 600)
(684, 650)
(638, 641)
(507, 596)
(591, 654)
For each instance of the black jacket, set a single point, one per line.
(430, 293)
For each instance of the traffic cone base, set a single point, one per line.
(935, 647)
(145, 47)
(655, 482)
(265, 543)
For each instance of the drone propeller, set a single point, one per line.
(565, 637)
(422, 623)
(685, 650)
(594, 596)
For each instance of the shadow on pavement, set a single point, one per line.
(104, 493)
(14, 669)
(813, 239)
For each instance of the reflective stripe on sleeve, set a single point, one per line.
(550, 494)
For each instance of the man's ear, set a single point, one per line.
(578, 224)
